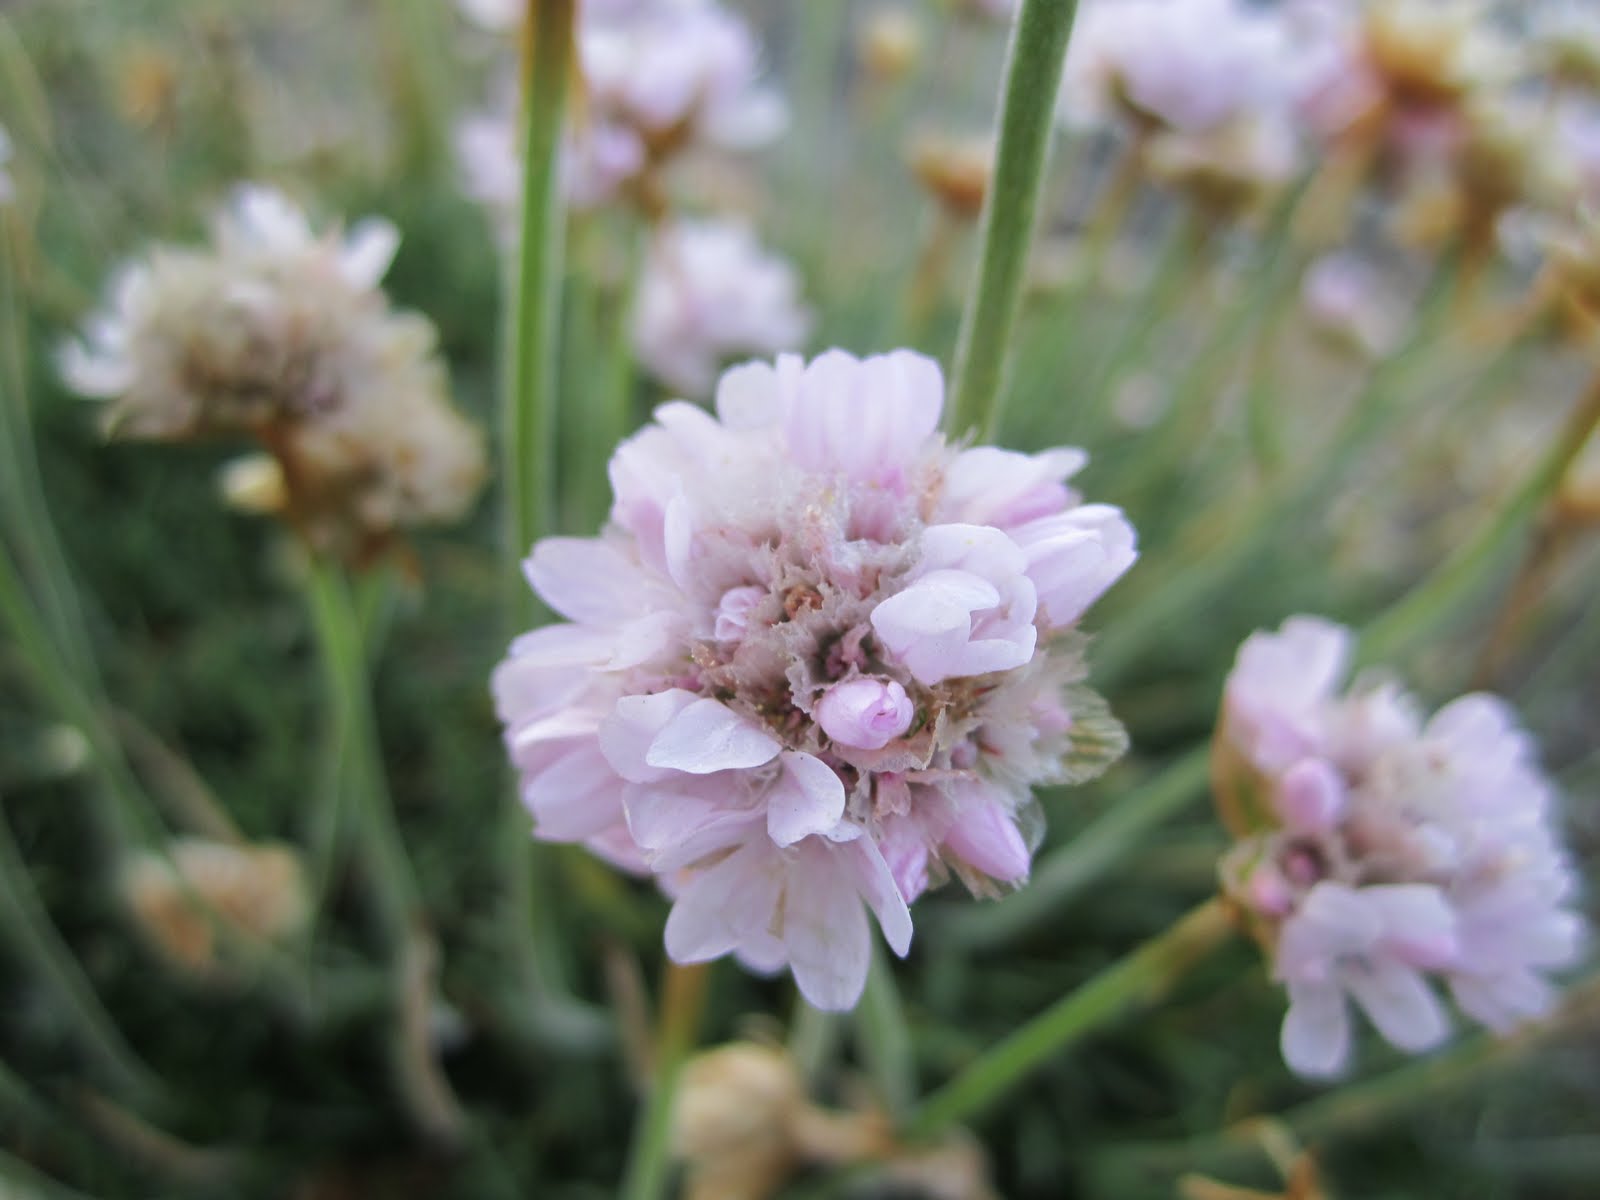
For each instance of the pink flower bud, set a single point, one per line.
(733, 612)
(866, 713)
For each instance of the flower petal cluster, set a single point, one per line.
(659, 77)
(1381, 850)
(280, 335)
(710, 292)
(815, 663)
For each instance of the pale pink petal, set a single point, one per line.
(985, 837)
(587, 580)
(1400, 1003)
(879, 889)
(1311, 796)
(1316, 1030)
(806, 798)
(707, 736)
(825, 930)
(725, 905)
(627, 733)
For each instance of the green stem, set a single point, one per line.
(530, 403)
(884, 1037)
(1137, 979)
(812, 1039)
(1218, 545)
(1371, 1103)
(650, 1156)
(391, 887)
(1430, 605)
(1032, 77)
(1097, 848)
(51, 963)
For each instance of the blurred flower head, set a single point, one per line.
(1380, 850)
(657, 79)
(182, 898)
(955, 171)
(1188, 65)
(815, 662)
(1343, 296)
(709, 292)
(889, 42)
(282, 336)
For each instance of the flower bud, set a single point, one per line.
(866, 713)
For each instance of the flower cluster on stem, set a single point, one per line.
(815, 662)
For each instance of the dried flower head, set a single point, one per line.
(818, 658)
(1379, 850)
(181, 899)
(889, 42)
(955, 171)
(281, 336)
(710, 292)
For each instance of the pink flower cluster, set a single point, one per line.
(815, 663)
(658, 77)
(1212, 83)
(1381, 850)
(710, 292)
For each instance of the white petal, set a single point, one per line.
(825, 930)
(708, 736)
(807, 798)
(724, 905)
(1400, 1003)
(1316, 1030)
(587, 580)
(882, 894)
(626, 735)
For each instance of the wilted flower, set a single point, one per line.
(764, 570)
(182, 898)
(889, 42)
(658, 78)
(955, 171)
(743, 1125)
(710, 292)
(282, 336)
(1397, 74)
(1379, 850)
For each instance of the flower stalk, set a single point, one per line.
(391, 886)
(649, 1160)
(1032, 77)
(1136, 979)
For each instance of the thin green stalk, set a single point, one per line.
(1065, 872)
(530, 937)
(391, 887)
(423, 81)
(1432, 603)
(650, 1156)
(1221, 543)
(51, 963)
(1134, 980)
(813, 1035)
(529, 445)
(1152, 306)
(884, 1037)
(1371, 1103)
(1026, 122)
